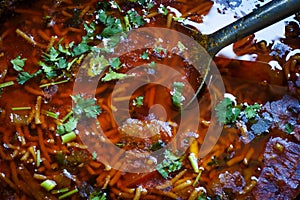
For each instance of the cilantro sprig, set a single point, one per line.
(227, 112)
(84, 107)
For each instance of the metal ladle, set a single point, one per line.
(258, 19)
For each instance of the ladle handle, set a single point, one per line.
(260, 18)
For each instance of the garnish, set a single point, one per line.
(63, 190)
(289, 128)
(18, 63)
(67, 127)
(171, 163)
(48, 184)
(21, 108)
(112, 75)
(177, 97)
(98, 195)
(181, 47)
(227, 112)
(6, 84)
(85, 106)
(115, 63)
(68, 194)
(135, 19)
(145, 55)
(38, 158)
(94, 155)
(138, 101)
(25, 76)
(68, 137)
(162, 9)
(194, 162)
(251, 110)
(54, 83)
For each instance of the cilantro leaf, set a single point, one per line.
(25, 76)
(112, 75)
(113, 26)
(162, 9)
(226, 111)
(251, 110)
(18, 63)
(138, 101)
(135, 19)
(97, 65)
(289, 128)
(177, 97)
(81, 48)
(67, 127)
(115, 63)
(145, 56)
(171, 163)
(52, 56)
(86, 107)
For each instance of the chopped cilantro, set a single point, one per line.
(251, 110)
(177, 97)
(145, 3)
(97, 65)
(138, 101)
(135, 19)
(226, 111)
(113, 26)
(94, 155)
(81, 48)
(18, 63)
(289, 128)
(152, 64)
(85, 106)
(25, 76)
(145, 55)
(171, 163)
(162, 9)
(112, 75)
(181, 46)
(67, 127)
(115, 63)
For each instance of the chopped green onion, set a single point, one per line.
(21, 108)
(67, 116)
(68, 194)
(48, 184)
(54, 83)
(194, 162)
(198, 176)
(50, 114)
(63, 190)
(38, 158)
(68, 137)
(6, 84)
